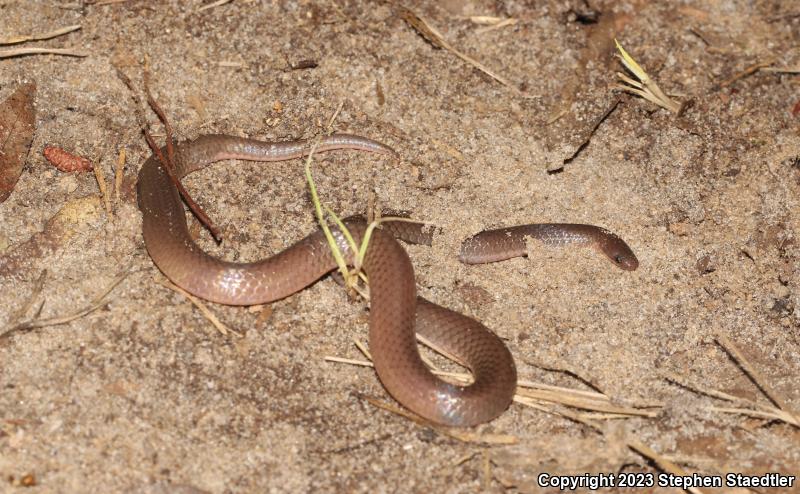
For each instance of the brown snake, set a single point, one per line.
(396, 312)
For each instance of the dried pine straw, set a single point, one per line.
(752, 69)
(36, 322)
(531, 394)
(663, 463)
(39, 37)
(753, 373)
(119, 174)
(542, 397)
(18, 52)
(782, 70)
(212, 318)
(780, 412)
(434, 37)
(459, 434)
(213, 4)
(492, 23)
(101, 184)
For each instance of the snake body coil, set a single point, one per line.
(396, 312)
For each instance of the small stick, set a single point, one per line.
(663, 463)
(752, 69)
(54, 321)
(38, 37)
(564, 396)
(198, 212)
(461, 435)
(486, 478)
(18, 52)
(350, 361)
(634, 444)
(582, 403)
(430, 33)
(212, 318)
(161, 116)
(119, 174)
(440, 350)
(101, 184)
(782, 70)
(501, 24)
(363, 350)
(776, 415)
(231, 65)
(37, 290)
(763, 411)
(213, 4)
(752, 373)
(707, 391)
(578, 392)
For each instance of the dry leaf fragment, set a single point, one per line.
(75, 217)
(17, 116)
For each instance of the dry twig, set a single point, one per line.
(18, 52)
(595, 401)
(491, 23)
(35, 292)
(459, 434)
(98, 302)
(663, 463)
(746, 407)
(436, 39)
(119, 174)
(756, 377)
(213, 4)
(782, 70)
(212, 318)
(101, 184)
(748, 71)
(39, 37)
(169, 160)
(528, 393)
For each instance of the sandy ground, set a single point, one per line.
(144, 395)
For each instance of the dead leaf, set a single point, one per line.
(73, 218)
(17, 116)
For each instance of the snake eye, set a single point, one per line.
(618, 259)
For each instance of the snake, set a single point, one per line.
(397, 313)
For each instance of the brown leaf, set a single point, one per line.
(17, 116)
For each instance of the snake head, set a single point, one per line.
(618, 252)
